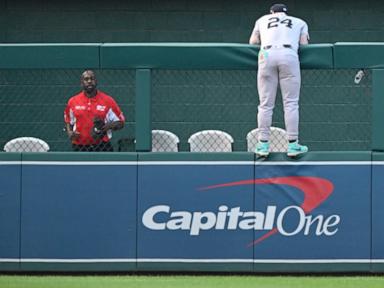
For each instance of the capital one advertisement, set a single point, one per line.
(222, 212)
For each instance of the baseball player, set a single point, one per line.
(279, 36)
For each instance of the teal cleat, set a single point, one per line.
(262, 149)
(294, 149)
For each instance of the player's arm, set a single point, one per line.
(304, 36)
(255, 39)
(304, 39)
(255, 36)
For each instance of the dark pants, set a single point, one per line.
(101, 147)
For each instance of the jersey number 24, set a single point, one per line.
(275, 21)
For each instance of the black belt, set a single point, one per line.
(270, 46)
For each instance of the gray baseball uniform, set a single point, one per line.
(279, 36)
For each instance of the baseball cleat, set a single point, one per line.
(262, 149)
(294, 149)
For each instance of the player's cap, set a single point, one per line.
(279, 8)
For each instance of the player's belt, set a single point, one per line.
(277, 46)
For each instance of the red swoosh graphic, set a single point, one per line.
(316, 190)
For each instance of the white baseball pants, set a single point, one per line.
(278, 65)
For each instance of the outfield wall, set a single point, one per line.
(192, 212)
(187, 211)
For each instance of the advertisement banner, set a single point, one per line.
(276, 213)
(180, 217)
(322, 212)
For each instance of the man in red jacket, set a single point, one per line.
(91, 116)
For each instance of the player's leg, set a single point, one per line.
(267, 82)
(290, 82)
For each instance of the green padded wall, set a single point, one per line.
(377, 110)
(179, 56)
(183, 56)
(45, 56)
(359, 55)
(319, 56)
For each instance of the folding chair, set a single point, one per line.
(210, 141)
(26, 144)
(164, 141)
(278, 140)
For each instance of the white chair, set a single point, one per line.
(164, 141)
(210, 141)
(278, 140)
(26, 144)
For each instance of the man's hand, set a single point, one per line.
(72, 135)
(116, 125)
(98, 131)
(255, 38)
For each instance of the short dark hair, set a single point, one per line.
(87, 71)
(279, 8)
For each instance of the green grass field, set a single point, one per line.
(192, 281)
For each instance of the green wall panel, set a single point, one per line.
(377, 107)
(201, 56)
(191, 156)
(178, 56)
(359, 55)
(318, 56)
(143, 110)
(79, 156)
(324, 156)
(36, 56)
(10, 156)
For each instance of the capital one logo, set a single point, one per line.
(315, 190)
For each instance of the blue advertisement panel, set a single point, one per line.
(281, 213)
(10, 176)
(378, 214)
(321, 213)
(78, 213)
(182, 218)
